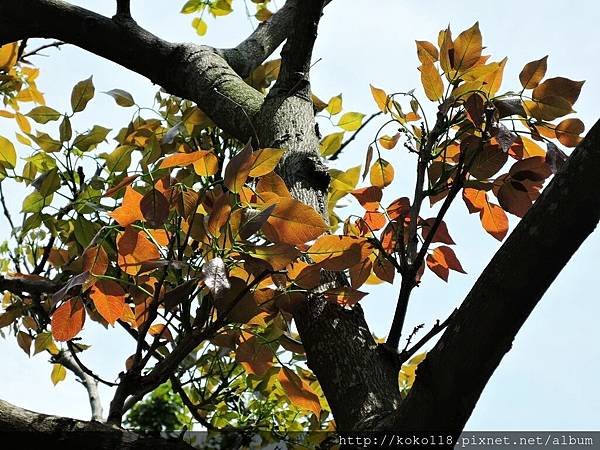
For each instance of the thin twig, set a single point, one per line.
(55, 44)
(405, 355)
(335, 155)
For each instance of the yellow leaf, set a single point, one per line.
(380, 98)
(335, 105)
(351, 121)
(264, 161)
(548, 108)
(58, 374)
(331, 143)
(338, 252)
(432, 82)
(382, 173)
(426, 52)
(467, 48)
(8, 55)
(82, 93)
(200, 26)
(8, 155)
(344, 181)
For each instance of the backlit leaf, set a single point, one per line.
(264, 161)
(122, 98)
(351, 121)
(58, 374)
(134, 248)
(238, 169)
(533, 72)
(8, 154)
(382, 173)
(335, 105)
(432, 82)
(293, 222)
(82, 93)
(380, 98)
(68, 320)
(299, 392)
(109, 299)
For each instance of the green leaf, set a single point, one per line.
(191, 6)
(35, 202)
(47, 183)
(66, 132)
(58, 374)
(44, 341)
(82, 93)
(119, 159)
(351, 121)
(86, 141)
(123, 98)
(43, 114)
(46, 142)
(8, 155)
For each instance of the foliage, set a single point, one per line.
(162, 411)
(190, 240)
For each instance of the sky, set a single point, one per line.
(548, 381)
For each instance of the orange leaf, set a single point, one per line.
(514, 198)
(559, 87)
(129, 211)
(109, 299)
(95, 260)
(427, 52)
(345, 296)
(273, 183)
(298, 391)
(255, 357)
(338, 252)
(219, 215)
(207, 166)
(293, 222)
(368, 197)
(494, 220)
(475, 199)
(68, 320)
(384, 269)
(441, 234)
(360, 273)
(278, 255)
(467, 48)
(182, 159)
(238, 169)
(134, 248)
(155, 208)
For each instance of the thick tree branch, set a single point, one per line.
(256, 48)
(35, 430)
(194, 72)
(452, 377)
(31, 285)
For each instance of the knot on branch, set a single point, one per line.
(306, 169)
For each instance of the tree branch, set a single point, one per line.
(452, 377)
(270, 34)
(90, 384)
(35, 430)
(190, 71)
(32, 285)
(293, 79)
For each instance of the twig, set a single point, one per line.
(412, 335)
(335, 155)
(405, 355)
(84, 368)
(189, 404)
(56, 44)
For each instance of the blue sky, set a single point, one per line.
(548, 380)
